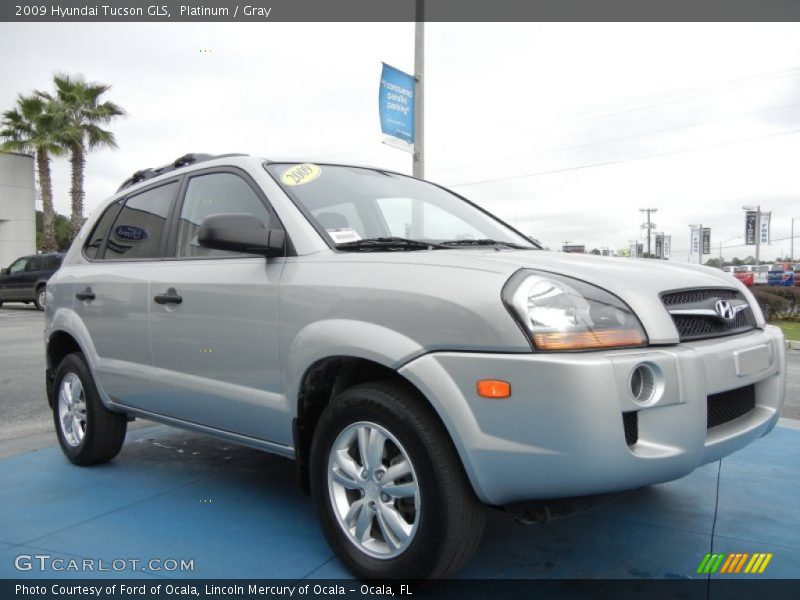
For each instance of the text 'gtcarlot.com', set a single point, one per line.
(45, 562)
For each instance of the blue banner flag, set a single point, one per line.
(396, 106)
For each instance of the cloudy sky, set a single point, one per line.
(565, 130)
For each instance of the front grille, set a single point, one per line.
(701, 326)
(692, 327)
(697, 296)
(727, 406)
(630, 421)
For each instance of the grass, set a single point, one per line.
(791, 329)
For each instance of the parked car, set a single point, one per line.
(417, 357)
(780, 274)
(796, 275)
(760, 274)
(745, 274)
(25, 279)
(728, 270)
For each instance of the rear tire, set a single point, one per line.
(87, 431)
(397, 505)
(40, 297)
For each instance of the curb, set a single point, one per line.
(792, 345)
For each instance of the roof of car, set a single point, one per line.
(180, 162)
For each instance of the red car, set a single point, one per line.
(745, 274)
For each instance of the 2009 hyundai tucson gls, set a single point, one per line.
(416, 356)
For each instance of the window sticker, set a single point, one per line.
(300, 174)
(343, 235)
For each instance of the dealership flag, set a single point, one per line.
(764, 229)
(750, 228)
(706, 240)
(667, 247)
(695, 243)
(396, 108)
(659, 245)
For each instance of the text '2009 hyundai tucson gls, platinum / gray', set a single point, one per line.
(417, 357)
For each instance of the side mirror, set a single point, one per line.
(239, 232)
(4, 270)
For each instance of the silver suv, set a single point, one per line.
(416, 356)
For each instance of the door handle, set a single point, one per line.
(86, 294)
(170, 297)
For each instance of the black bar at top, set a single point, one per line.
(398, 10)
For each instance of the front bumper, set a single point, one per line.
(561, 432)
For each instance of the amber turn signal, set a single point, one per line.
(494, 388)
(588, 340)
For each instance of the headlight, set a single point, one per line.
(560, 313)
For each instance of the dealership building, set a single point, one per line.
(17, 207)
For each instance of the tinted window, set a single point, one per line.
(95, 240)
(34, 263)
(52, 262)
(210, 195)
(138, 230)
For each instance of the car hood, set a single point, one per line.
(638, 282)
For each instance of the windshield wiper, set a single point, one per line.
(380, 244)
(483, 242)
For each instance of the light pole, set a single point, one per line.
(648, 225)
(758, 230)
(419, 92)
(791, 251)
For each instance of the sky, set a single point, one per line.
(563, 130)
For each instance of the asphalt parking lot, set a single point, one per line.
(238, 513)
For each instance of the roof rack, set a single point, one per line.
(183, 161)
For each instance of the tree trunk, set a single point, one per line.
(77, 161)
(45, 183)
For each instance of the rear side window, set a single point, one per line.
(34, 264)
(95, 240)
(53, 262)
(138, 230)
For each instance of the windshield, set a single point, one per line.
(351, 204)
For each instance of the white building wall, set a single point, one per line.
(17, 207)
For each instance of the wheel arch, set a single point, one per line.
(323, 380)
(59, 344)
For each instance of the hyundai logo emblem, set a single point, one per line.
(724, 309)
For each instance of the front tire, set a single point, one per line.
(390, 490)
(87, 431)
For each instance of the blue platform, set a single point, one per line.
(238, 513)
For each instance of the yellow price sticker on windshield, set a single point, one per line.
(300, 174)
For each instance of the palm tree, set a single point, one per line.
(83, 114)
(33, 126)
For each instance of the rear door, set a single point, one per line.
(112, 290)
(34, 271)
(215, 352)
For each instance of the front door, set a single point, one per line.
(12, 283)
(213, 320)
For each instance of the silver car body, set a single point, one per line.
(231, 359)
